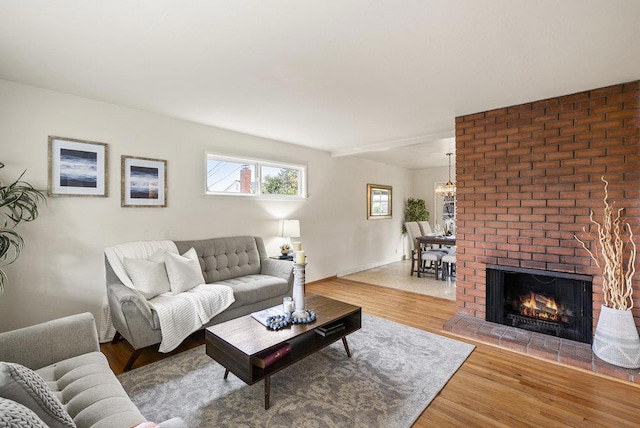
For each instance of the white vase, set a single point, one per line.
(616, 340)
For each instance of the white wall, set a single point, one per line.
(61, 270)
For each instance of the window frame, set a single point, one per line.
(439, 205)
(258, 164)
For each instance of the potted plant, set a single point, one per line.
(616, 339)
(415, 210)
(18, 202)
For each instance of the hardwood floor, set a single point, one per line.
(494, 387)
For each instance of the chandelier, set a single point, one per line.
(448, 188)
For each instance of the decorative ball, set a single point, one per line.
(277, 322)
(305, 320)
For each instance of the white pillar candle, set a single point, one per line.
(300, 257)
(297, 246)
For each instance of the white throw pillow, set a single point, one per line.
(149, 276)
(184, 271)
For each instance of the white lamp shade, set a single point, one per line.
(290, 228)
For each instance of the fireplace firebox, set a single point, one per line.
(555, 303)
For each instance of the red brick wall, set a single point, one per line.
(527, 176)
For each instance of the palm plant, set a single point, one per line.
(18, 202)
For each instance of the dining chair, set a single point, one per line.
(427, 256)
(425, 227)
(434, 259)
(413, 230)
(448, 265)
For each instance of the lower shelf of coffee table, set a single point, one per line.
(303, 345)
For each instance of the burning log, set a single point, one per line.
(546, 304)
(547, 310)
(548, 301)
(538, 306)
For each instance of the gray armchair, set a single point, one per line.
(65, 353)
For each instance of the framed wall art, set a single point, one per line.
(143, 182)
(77, 167)
(379, 201)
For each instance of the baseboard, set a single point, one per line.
(368, 266)
(321, 279)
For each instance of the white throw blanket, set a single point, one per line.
(180, 314)
(186, 312)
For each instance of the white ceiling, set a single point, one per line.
(381, 79)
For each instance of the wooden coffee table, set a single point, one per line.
(236, 344)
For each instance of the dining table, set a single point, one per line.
(437, 240)
(433, 240)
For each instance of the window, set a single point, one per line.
(449, 208)
(228, 176)
(445, 212)
(252, 177)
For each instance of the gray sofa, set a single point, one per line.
(79, 388)
(240, 262)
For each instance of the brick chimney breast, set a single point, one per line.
(529, 174)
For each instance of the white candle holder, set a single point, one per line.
(298, 290)
(287, 306)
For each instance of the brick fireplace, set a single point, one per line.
(527, 176)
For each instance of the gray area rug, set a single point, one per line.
(394, 373)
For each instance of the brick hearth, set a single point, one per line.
(543, 346)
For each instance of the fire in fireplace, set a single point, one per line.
(542, 307)
(541, 313)
(545, 302)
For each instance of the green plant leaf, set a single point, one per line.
(18, 202)
(10, 247)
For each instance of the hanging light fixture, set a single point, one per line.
(448, 188)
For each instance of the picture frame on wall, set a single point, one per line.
(77, 167)
(379, 201)
(143, 182)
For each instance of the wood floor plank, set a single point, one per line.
(495, 387)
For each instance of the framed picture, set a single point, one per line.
(143, 182)
(77, 167)
(379, 201)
